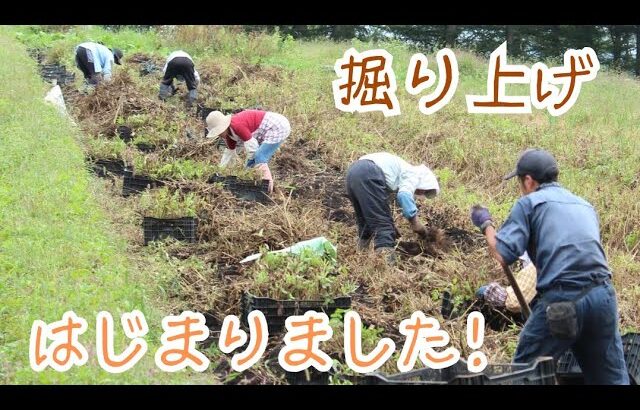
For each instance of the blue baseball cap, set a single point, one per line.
(538, 163)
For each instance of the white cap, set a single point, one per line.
(426, 179)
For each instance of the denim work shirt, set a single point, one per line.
(561, 233)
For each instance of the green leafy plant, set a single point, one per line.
(161, 203)
(184, 169)
(242, 173)
(100, 148)
(137, 120)
(304, 276)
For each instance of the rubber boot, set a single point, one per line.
(363, 244)
(389, 254)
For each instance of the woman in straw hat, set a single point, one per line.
(259, 133)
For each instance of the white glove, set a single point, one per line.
(251, 146)
(229, 156)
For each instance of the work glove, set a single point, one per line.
(264, 170)
(480, 292)
(251, 146)
(481, 217)
(229, 157)
(95, 79)
(420, 230)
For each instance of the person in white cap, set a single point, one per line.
(260, 133)
(180, 66)
(370, 179)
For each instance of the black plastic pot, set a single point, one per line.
(124, 132)
(108, 167)
(148, 67)
(50, 72)
(202, 111)
(568, 370)
(37, 54)
(146, 147)
(310, 376)
(182, 229)
(246, 190)
(539, 372)
(277, 311)
(133, 184)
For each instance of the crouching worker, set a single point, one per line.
(259, 133)
(498, 297)
(96, 61)
(369, 183)
(180, 66)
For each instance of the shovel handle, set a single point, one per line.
(524, 306)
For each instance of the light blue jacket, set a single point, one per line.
(101, 56)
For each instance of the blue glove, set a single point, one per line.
(481, 217)
(480, 292)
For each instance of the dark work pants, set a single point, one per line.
(367, 191)
(598, 347)
(87, 68)
(180, 66)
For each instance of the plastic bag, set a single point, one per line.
(319, 245)
(54, 96)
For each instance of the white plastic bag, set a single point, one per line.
(319, 245)
(54, 96)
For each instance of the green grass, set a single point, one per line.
(57, 251)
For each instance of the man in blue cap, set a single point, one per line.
(577, 307)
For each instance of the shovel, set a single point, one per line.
(524, 306)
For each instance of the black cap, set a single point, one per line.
(538, 163)
(117, 55)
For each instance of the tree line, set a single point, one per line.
(617, 46)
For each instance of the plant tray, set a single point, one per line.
(108, 167)
(133, 184)
(182, 229)
(277, 311)
(540, 372)
(246, 190)
(569, 372)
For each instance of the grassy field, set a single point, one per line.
(58, 251)
(596, 144)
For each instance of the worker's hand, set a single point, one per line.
(481, 217)
(265, 172)
(480, 292)
(418, 228)
(250, 147)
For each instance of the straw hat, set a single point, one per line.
(217, 123)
